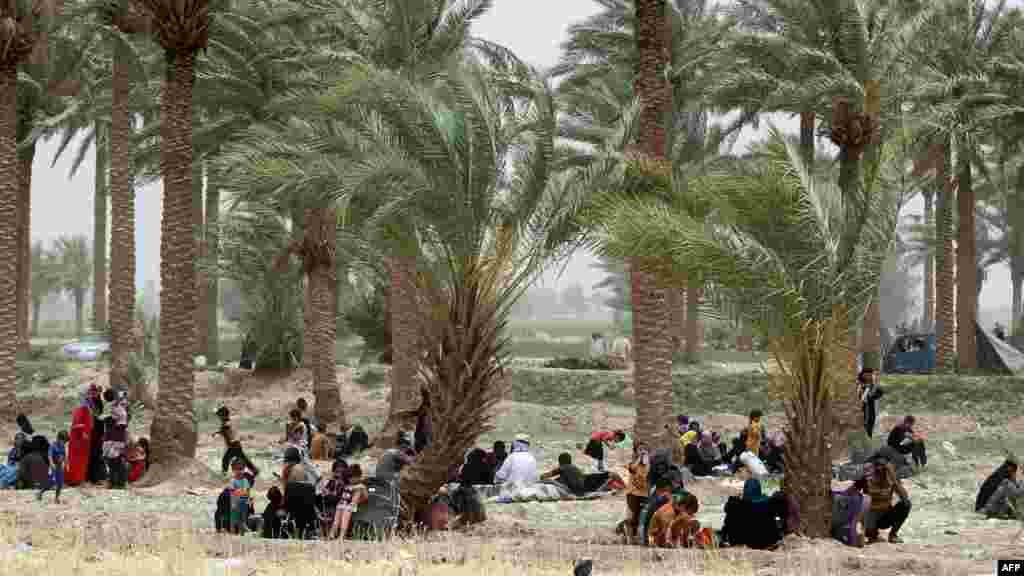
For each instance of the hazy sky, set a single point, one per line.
(531, 28)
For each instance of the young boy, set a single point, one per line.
(755, 433)
(58, 456)
(240, 487)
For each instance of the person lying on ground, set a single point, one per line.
(637, 490)
(520, 466)
(906, 441)
(353, 496)
(599, 444)
(880, 484)
(674, 524)
(1005, 501)
(570, 476)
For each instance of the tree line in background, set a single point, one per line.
(363, 159)
(66, 266)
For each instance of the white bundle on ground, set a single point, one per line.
(754, 464)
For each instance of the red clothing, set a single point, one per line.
(79, 445)
(606, 437)
(137, 468)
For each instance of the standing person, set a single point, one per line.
(240, 487)
(880, 483)
(598, 347)
(636, 495)
(870, 392)
(115, 444)
(312, 427)
(295, 435)
(58, 459)
(80, 442)
(755, 433)
(97, 473)
(905, 441)
(598, 445)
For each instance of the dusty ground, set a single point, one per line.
(942, 536)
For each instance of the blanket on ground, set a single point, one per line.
(538, 492)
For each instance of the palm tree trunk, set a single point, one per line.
(79, 297)
(122, 230)
(197, 225)
(928, 317)
(173, 432)
(212, 289)
(945, 334)
(693, 336)
(871, 339)
(967, 268)
(652, 335)
(403, 309)
(36, 305)
(807, 137)
(677, 310)
(25, 160)
(321, 228)
(308, 323)
(99, 234)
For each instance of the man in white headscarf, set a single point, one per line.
(520, 466)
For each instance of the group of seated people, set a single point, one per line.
(704, 453)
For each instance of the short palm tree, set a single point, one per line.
(785, 247)
(468, 157)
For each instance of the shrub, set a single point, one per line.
(577, 363)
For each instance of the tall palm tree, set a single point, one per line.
(182, 30)
(798, 254)
(954, 49)
(75, 261)
(21, 28)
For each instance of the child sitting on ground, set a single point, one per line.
(58, 455)
(240, 487)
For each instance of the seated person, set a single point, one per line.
(710, 450)
(906, 441)
(1002, 493)
(848, 509)
(753, 520)
(662, 495)
(331, 492)
(273, 514)
(34, 465)
(138, 458)
(496, 458)
(394, 459)
(674, 524)
(775, 459)
(9, 471)
(353, 496)
(475, 471)
(466, 505)
(879, 484)
(520, 466)
(693, 458)
(568, 475)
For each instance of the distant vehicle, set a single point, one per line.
(915, 354)
(88, 348)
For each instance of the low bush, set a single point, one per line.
(577, 363)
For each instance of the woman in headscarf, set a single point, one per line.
(752, 491)
(80, 442)
(709, 449)
(476, 471)
(96, 472)
(692, 456)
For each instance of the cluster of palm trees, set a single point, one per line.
(66, 266)
(330, 139)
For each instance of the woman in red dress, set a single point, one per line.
(79, 444)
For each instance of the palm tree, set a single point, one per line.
(182, 30)
(438, 154)
(45, 279)
(953, 53)
(75, 273)
(785, 246)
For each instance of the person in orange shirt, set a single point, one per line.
(637, 491)
(675, 524)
